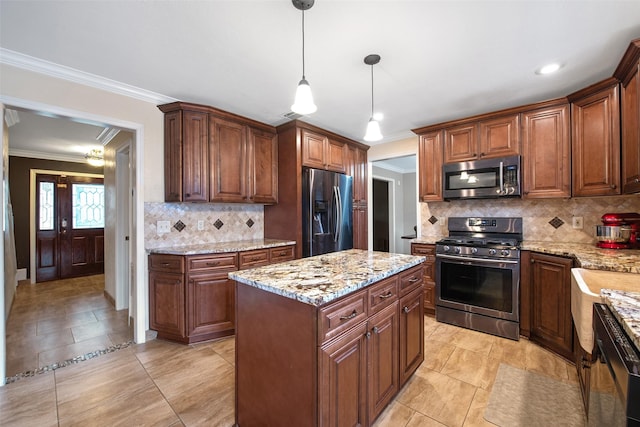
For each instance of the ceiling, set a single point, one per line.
(441, 60)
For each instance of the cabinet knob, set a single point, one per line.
(613, 186)
(481, 154)
(367, 335)
(188, 195)
(533, 261)
(637, 180)
(405, 309)
(376, 330)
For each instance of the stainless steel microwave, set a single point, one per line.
(482, 179)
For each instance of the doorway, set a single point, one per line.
(380, 215)
(69, 226)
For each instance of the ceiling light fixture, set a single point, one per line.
(373, 127)
(303, 102)
(548, 69)
(95, 157)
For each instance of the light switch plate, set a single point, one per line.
(200, 225)
(577, 222)
(163, 227)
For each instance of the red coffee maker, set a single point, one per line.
(619, 231)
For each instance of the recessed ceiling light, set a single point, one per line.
(548, 69)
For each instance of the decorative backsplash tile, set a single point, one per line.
(556, 222)
(536, 215)
(222, 223)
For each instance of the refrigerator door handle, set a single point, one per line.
(338, 208)
(311, 214)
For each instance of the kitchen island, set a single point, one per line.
(326, 340)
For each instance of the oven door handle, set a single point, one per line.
(467, 260)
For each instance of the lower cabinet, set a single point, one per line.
(191, 298)
(547, 280)
(429, 273)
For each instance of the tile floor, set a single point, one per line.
(165, 384)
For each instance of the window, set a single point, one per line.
(88, 205)
(46, 205)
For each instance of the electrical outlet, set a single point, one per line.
(577, 222)
(200, 225)
(163, 227)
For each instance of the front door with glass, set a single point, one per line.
(69, 226)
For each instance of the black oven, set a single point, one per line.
(478, 275)
(614, 376)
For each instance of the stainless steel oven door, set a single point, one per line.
(490, 287)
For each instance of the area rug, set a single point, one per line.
(523, 398)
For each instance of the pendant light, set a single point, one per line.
(303, 102)
(373, 127)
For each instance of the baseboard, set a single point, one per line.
(109, 298)
(21, 274)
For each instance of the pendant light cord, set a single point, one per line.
(371, 90)
(303, 78)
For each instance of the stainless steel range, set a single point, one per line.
(478, 275)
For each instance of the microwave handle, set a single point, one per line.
(501, 179)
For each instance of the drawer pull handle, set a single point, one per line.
(165, 264)
(351, 316)
(414, 279)
(387, 295)
(212, 263)
(256, 258)
(405, 309)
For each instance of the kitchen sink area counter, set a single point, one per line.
(625, 306)
(589, 256)
(321, 279)
(222, 247)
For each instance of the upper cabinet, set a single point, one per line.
(628, 72)
(595, 140)
(430, 167)
(321, 152)
(215, 156)
(495, 137)
(546, 151)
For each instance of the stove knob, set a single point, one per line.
(474, 250)
(457, 249)
(505, 252)
(446, 248)
(492, 251)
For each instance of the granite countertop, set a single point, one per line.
(591, 257)
(323, 278)
(625, 306)
(222, 247)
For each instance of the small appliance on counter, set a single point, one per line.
(619, 231)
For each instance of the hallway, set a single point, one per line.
(52, 322)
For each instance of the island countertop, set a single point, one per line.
(625, 306)
(323, 278)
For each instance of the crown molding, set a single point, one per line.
(51, 69)
(47, 156)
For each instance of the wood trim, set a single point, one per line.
(303, 125)
(221, 114)
(629, 62)
(594, 88)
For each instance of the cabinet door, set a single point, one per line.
(211, 306)
(631, 134)
(342, 388)
(173, 156)
(460, 143)
(360, 230)
(596, 144)
(195, 166)
(546, 150)
(428, 251)
(336, 156)
(500, 137)
(357, 161)
(430, 167)
(551, 303)
(313, 146)
(166, 304)
(227, 148)
(411, 334)
(263, 167)
(383, 359)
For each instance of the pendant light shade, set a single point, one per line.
(303, 102)
(373, 127)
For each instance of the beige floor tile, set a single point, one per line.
(475, 416)
(472, 367)
(438, 396)
(29, 402)
(546, 363)
(509, 351)
(62, 353)
(436, 354)
(421, 420)
(395, 415)
(478, 342)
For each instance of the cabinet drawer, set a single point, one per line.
(382, 294)
(168, 263)
(257, 258)
(341, 315)
(424, 250)
(285, 253)
(223, 262)
(411, 279)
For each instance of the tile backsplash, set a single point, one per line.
(540, 217)
(220, 223)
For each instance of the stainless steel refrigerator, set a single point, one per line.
(327, 224)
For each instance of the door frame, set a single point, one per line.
(32, 211)
(392, 210)
(139, 264)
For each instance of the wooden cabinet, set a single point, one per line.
(628, 72)
(548, 281)
(321, 152)
(215, 156)
(191, 298)
(496, 137)
(595, 140)
(357, 162)
(546, 151)
(429, 277)
(430, 167)
(342, 363)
